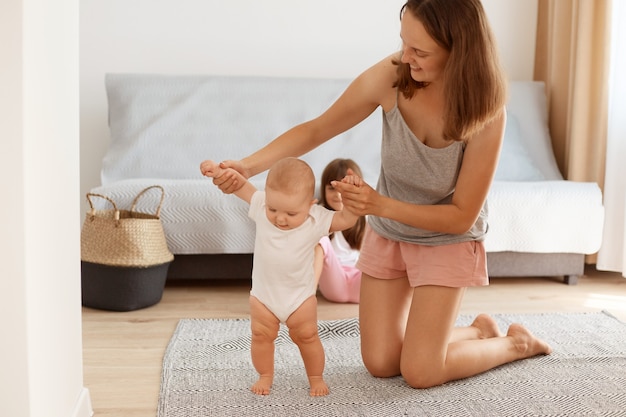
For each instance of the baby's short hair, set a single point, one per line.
(291, 175)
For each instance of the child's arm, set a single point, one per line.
(345, 219)
(213, 170)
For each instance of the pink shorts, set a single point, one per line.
(454, 265)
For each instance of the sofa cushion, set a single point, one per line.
(527, 103)
(164, 126)
(516, 163)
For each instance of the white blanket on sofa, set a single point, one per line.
(541, 216)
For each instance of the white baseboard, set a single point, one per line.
(83, 406)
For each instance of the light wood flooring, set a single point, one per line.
(123, 352)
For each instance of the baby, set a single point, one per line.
(289, 224)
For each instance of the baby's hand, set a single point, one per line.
(352, 179)
(211, 169)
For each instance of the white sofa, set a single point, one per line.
(163, 126)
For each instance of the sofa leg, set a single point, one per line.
(571, 279)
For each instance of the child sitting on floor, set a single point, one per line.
(340, 280)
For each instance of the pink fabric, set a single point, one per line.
(338, 283)
(454, 265)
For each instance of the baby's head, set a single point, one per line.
(289, 193)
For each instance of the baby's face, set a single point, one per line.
(287, 211)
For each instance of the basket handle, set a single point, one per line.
(93, 209)
(158, 210)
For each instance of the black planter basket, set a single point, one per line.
(118, 288)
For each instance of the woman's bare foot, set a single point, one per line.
(526, 343)
(318, 386)
(263, 385)
(487, 327)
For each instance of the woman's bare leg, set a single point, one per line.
(483, 327)
(303, 331)
(264, 326)
(431, 355)
(383, 320)
(411, 332)
(383, 312)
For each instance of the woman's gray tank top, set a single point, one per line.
(415, 173)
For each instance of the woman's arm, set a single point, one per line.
(368, 91)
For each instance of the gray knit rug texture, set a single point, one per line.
(207, 371)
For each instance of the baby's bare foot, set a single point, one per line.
(487, 327)
(318, 386)
(527, 343)
(262, 386)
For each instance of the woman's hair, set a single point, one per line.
(474, 84)
(335, 171)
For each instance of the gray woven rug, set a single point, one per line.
(207, 372)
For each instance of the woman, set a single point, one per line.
(442, 99)
(336, 255)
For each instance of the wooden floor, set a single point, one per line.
(123, 351)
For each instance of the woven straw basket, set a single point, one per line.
(124, 256)
(124, 237)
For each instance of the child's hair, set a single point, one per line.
(335, 171)
(291, 175)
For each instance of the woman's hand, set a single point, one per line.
(228, 184)
(357, 196)
(353, 179)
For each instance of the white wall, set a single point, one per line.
(514, 23)
(40, 312)
(323, 38)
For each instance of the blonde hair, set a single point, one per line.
(474, 84)
(291, 175)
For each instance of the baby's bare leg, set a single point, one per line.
(303, 331)
(264, 326)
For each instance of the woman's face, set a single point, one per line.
(425, 57)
